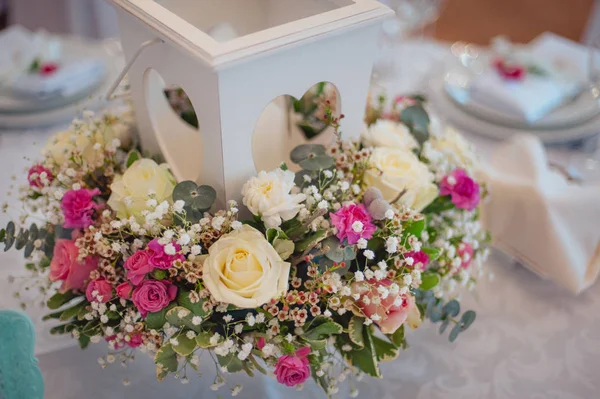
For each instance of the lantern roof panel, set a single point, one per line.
(224, 31)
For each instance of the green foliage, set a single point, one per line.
(429, 280)
(312, 157)
(178, 316)
(398, 337)
(156, 320)
(310, 240)
(384, 350)
(185, 345)
(166, 361)
(232, 362)
(417, 120)
(438, 311)
(322, 328)
(439, 205)
(57, 300)
(197, 199)
(355, 331)
(203, 340)
(337, 251)
(183, 298)
(133, 156)
(365, 358)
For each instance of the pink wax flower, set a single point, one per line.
(65, 267)
(463, 189)
(114, 340)
(292, 370)
(124, 290)
(135, 340)
(78, 207)
(137, 266)
(465, 251)
(34, 176)
(48, 68)
(508, 70)
(392, 310)
(99, 290)
(353, 222)
(420, 259)
(152, 296)
(159, 257)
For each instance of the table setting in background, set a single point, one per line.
(495, 146)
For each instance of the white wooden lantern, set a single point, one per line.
(281, 47)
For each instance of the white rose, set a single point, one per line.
(130, 192)
(60, 147)
(244, 270)
(393, 170)
(386, 133)
(455, 147)
(268, 196)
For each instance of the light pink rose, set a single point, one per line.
(124, 290)
(160, 259)
(392, 310)
(152, 296)
(65, 267)
(465, 252)
(137, 266)
(99, 290)
(292, 370)
(353, 222)
(78, 207)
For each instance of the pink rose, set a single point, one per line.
(78, 207)
(292, 370)
(135, 340)
(124, 290)
(99, 290)
(420, 259)
(392, 310)
(465, 251)
(137, 266)
(353, 222)
(34, 176)
(463, 190)
(159, 258)
(508, 70)
(65, 267)
(152, 296)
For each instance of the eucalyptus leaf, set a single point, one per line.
(22, 239)
(451, 309)
(417, 119)
(196, 198)
(33, 232)
(317, 163)
(454, 333)
(29, 248)
(305, 151)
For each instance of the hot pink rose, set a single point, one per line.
(152, 296)
(465, 251)
(124, 290)
(99, 290)
(34, 176)
(159, 258)
(260, 343)
(137, 266)
(135, 340)
(392, 310)
(353, 222)
(508, 70)
(78, 207)
(292, 370)
(463, 190)
(65, 267)
(420, 259)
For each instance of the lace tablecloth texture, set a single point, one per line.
(531, 340)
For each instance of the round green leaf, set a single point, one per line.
(305, 151)
(317, 163)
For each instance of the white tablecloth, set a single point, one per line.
(531, 340)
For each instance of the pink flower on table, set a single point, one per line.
(465, 251)
(163, 256)
(152, 296)
(392, 311)
(508, 70)
(464, 191)
(99, 290)
(353, 222)
(124, 290)
(419, 259)
(135, 340)
(260, 343)
(292, 370)
(48, 68)
(137, 266)
(38, 176)
(65, 267)
(78, 207)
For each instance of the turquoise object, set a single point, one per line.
(20, 376)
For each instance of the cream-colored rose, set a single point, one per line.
(244, 270)
(387, 133)
(131, 191)
(60, 147)
(455, 147)
(268, 195)
(393, 170)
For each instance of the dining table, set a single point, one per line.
(531, 339)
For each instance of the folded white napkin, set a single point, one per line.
(539, 218)
(535, 96)
(21, 47)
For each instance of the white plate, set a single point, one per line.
(473, 124)
(93, 100)
(579, 109)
